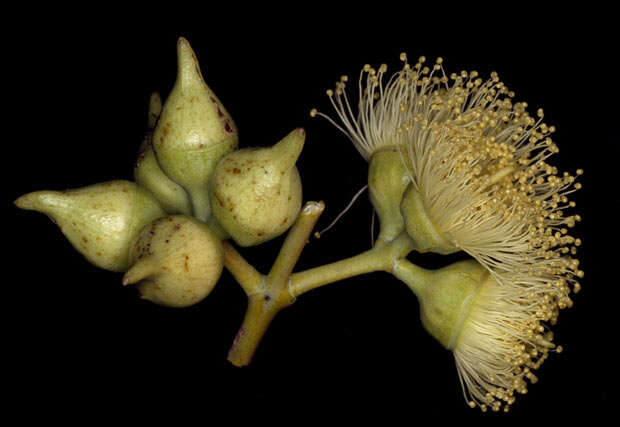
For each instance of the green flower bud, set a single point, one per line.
(99, 220)
(420, 228)
(387, 181)
(148, 174)
(446, 295)
(193, 133)
(176, 261)
(256, 192)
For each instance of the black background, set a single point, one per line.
(78, 91)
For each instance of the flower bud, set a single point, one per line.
(193, 132)
(148, 174)
(387, 181)
(176, 261)
(99, 220)
(256, 192)
(420, 228)
(445, 295)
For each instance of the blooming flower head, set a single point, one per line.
(478, 167)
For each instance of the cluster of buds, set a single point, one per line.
(192, 189)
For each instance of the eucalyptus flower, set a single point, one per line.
(479, 182)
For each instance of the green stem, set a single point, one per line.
(201, 206)
(246, 275)
(417, 278)
(257, 319)
(291, 249)
(380, 258)
(267, 295)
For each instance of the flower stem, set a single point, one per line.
(313, 278)
(417, 278)
(267, 295)
(246, 275)
(257, 319)
(379, 258)
(278, 277)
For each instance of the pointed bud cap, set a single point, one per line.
(256, 192)
(100, 220)
(193, 132)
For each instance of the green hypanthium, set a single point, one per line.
(454, 165)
